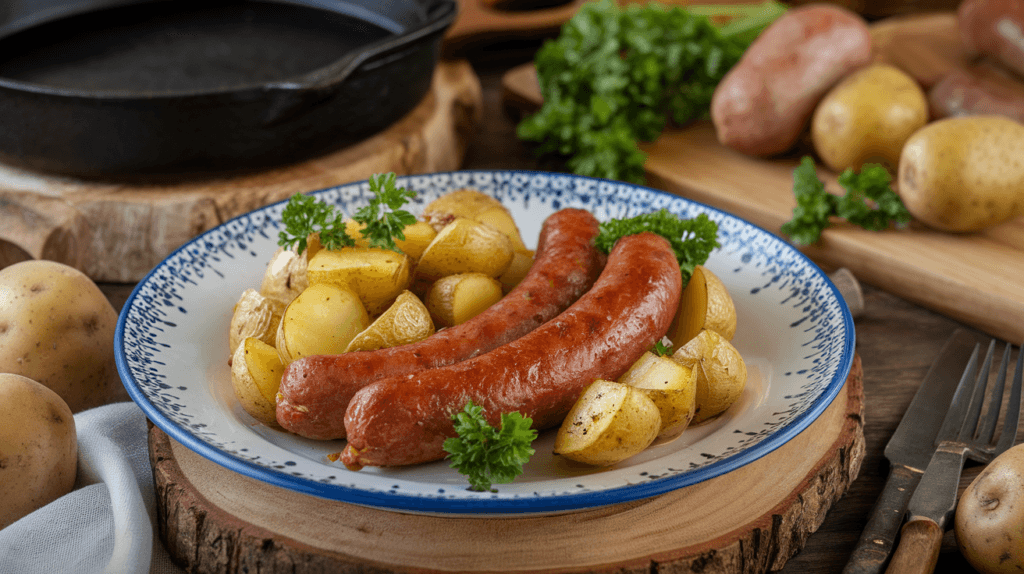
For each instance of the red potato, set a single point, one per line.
(977, 89)
(994, 28)
(762, 106)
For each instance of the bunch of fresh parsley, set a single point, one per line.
(692, 240)
(382, 219)
(869, 202)
(616, 76)
(486, 454)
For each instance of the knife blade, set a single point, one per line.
(908, 451)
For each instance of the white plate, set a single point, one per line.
(795, 334)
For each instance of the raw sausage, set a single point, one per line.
(764, 102)
(405, 420)
(994, 28)
(315, 390)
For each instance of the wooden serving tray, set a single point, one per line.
(977, 278)
(751, 520)
(118, 231)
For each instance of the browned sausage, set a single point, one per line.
(405, 420)
(994, 28)
(315, 390)
(765, 101)
(978, 89)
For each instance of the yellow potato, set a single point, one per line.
(284, 278)
(704, 304)
(670, 385)
(458, 298)
(990, 514)
(417, 236)
(609, 423)
(57, 328)
(38, 447)
(965, 173)
(719, 373)
(867, 117)
(465, 246)
(256, 370)
(522, 260)
(254, 316)
(376, 275)
(405, 321)
(322, 320)
(473, 204)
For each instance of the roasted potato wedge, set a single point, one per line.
(704, 304)
(458, 298)
(609, 423)
(254, 316)
(376, 275)
(465, 246)
(322, 320)
(405, 321)
(719, 373)
(256, 370)
(417, 237)
(670, 385)
(475, 205)
(284, 278)
(522, 260)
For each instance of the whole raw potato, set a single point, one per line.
(38, 447)
(57, 328)
(989, 520)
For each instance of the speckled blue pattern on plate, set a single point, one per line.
(795, 333)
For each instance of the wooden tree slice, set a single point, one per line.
(118, 231)
(750, 520)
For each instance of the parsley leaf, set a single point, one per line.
(485, 454)
(616, 76)
(305, 215)
(693, 240)
(382, 226)
(869, 202)
(661, 349)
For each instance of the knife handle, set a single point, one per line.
(918, 552)
(877, 539)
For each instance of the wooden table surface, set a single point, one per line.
(897, 341)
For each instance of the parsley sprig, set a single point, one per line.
(693, 240)
(488, 455)
(382, 220)
(869, 202)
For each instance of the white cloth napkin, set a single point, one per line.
(107, 524)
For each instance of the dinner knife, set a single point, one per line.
(909, 451)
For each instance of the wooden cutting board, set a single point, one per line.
(118, 231)
(977, 278)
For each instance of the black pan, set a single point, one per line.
(171, 87)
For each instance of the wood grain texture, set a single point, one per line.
(215, 520)
(118, 231)
(977, 278)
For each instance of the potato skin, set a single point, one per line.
(964, 174)
(38, 447)
(764, 102)
(989, 521)
(57, 328)
(992, 27)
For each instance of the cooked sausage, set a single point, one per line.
(315, 390)
(994, 28)
(405, 420)
(978, 89)
(765, 101)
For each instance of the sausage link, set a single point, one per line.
(316, 390)
(405, 420)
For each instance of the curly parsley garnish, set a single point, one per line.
(485, 454)
(304, 216)
(869, 202)
(693, 240)
(382, 226)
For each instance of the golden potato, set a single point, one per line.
(720, 374)
(867, 117)
(57, 328)
(704, 304)
(376, 275)
(609, 423)
(254, 316)
(458, 298)
(38, 447)
(417, 236)
(405, 321)
(256, 371)
(284, 278)
(522, 260)
(670, 385)
(465, 246)
(322, 320)
(990, 514)
(965, 173)
(475, 205)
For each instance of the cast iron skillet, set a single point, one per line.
(170, 87)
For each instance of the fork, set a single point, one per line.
(968, 429)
